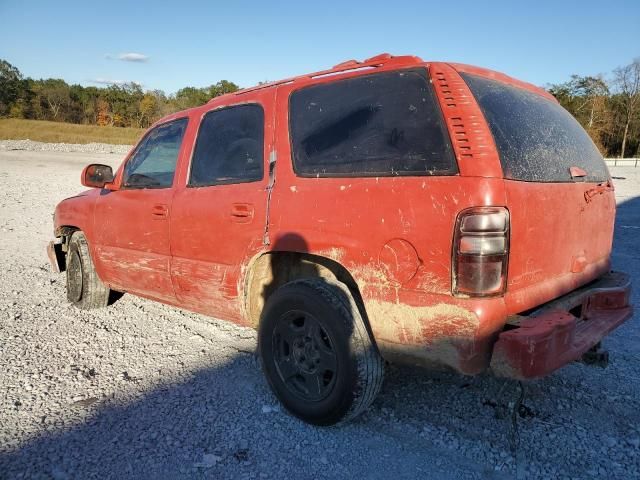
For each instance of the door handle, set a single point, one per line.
(242, 212)
(160, 211)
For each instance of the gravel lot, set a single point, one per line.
(141, 390)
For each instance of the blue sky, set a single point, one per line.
(200, 42)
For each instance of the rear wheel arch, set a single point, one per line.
(271, 270)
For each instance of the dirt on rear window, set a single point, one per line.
(538, 140)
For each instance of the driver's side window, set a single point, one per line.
(153, 164)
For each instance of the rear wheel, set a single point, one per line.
(317, 354)
(84, 288)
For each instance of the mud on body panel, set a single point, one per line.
(430, 329)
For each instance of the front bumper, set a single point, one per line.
(56, 256)
(562, 330)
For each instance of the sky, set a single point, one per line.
(168, 45)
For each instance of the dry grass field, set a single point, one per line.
(43, 131)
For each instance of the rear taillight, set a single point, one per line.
(481, 252)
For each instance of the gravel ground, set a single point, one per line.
(141, 390)
(30, 145)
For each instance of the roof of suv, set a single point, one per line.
(386, 59)
(381, 60)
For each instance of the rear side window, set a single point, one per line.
(382, 124)
(538, 140)
(229, 148)
(153, 164)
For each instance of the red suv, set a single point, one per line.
(392, 209)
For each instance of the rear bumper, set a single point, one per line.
(562, 330)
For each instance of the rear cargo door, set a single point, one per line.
(558, 192)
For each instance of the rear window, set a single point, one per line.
(537, 139)
(383, 124)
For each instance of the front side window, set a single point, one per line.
(230, 147)
(153, 164)
(382, 124)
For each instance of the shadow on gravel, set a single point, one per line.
(164, 434)
(627, 235)
(223, 422)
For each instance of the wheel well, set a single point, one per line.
(273, 269)
(65, 230)
(61, 247)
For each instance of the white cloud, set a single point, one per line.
(133, 57)
(107, 81)
(128, 57)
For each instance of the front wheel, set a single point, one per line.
(84, 289)
(317, 354)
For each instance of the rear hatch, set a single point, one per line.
(558, 190)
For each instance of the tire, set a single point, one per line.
(317, 354)
(84, 288)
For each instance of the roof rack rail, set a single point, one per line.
(348, 65)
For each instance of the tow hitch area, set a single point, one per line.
(596, 356)
(567, 329)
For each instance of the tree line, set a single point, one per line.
(126, 105)
(607, 107)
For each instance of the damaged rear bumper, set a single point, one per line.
(561, 331)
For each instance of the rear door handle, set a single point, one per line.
(242, 212)
(160, 211)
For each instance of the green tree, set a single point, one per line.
(11, 86)
(148, 109)
(627, 82)
(221, 88)
(55, 94)
(189, 97)
(124, 103)
(586, 99)
(83, 104)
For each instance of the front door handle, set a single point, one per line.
(242, 212)
(160, 211)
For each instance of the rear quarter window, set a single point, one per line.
(537, 139)
(382, 124)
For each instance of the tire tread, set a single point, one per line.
(95, 294)
(370, 365)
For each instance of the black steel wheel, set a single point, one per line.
(304, 355)
(316, 352)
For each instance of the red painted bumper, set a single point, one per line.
(562, 330)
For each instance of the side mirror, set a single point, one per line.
(96, 175)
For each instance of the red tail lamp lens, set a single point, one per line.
(481, 252)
